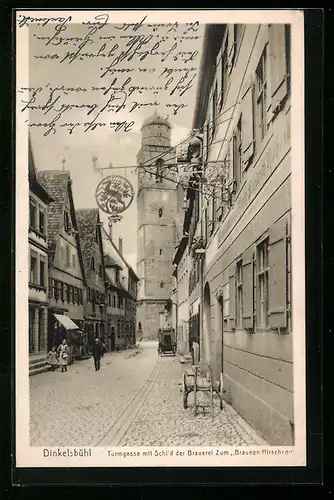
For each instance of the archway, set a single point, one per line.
(207, 324)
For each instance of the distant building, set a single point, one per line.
(66, 272)
(156, 215)
(95, 319)
(39, 199)
(121, 294)
(238, 250)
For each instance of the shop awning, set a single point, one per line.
(66, 322)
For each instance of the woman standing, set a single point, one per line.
(63, 355)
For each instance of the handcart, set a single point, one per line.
(199, 379)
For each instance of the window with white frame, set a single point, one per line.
(261, 97)
(33, 268)
(239, 302)
(42, 272)
(263, 283)
(32, 213)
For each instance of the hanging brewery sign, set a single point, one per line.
(114, 194)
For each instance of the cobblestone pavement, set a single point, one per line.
(134, 400)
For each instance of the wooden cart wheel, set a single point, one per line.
(221, 390)
(185, 393)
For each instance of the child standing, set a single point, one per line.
(63, 355)
(52, 359)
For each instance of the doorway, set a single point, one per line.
(207, 324)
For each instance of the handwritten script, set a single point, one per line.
(112, 72)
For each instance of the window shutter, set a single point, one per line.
(247, 127)
(232, 296)
(209, 216)
(247, 289)
(219, 63)
(277, 64)
(277, 275)
(230, 152)
(218, 204)
(231, 48)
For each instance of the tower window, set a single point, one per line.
(158, 173)
(161, 284)
(160, 211)
(160, 251)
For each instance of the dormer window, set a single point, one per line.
(160, 212)
(67, 222)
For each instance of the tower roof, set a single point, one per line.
(156, 119)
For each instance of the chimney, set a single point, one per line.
(110, 229)
(120, 245)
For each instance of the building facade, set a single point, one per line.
(95, 317)
(240, 235)
(39, 199)
(156, 233)
(66, 273)
(121, 295)
(181, 296)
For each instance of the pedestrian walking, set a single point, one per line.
(104, 348)
(52, 359)
(63, 355)
(97, 354)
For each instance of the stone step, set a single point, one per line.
(36, 360)
(37, 366)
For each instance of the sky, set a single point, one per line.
(54, 73)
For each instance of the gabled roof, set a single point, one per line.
(56, 182)
(109, 262)
(106, 235)
(35, 186)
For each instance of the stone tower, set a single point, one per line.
(157, 211)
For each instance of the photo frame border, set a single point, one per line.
(313, 472)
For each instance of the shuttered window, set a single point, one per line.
(261, 97)
(262, 266)
(248, 289)
(232, 296)
(223, 72)
(239, 294)
(231, 47)
(237, 168)
(247, 127)
(278, 275)
(278, 64)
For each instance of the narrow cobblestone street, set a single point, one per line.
(134, 400)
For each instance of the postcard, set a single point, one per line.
(160, 267)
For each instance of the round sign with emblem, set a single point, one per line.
(114, 194)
